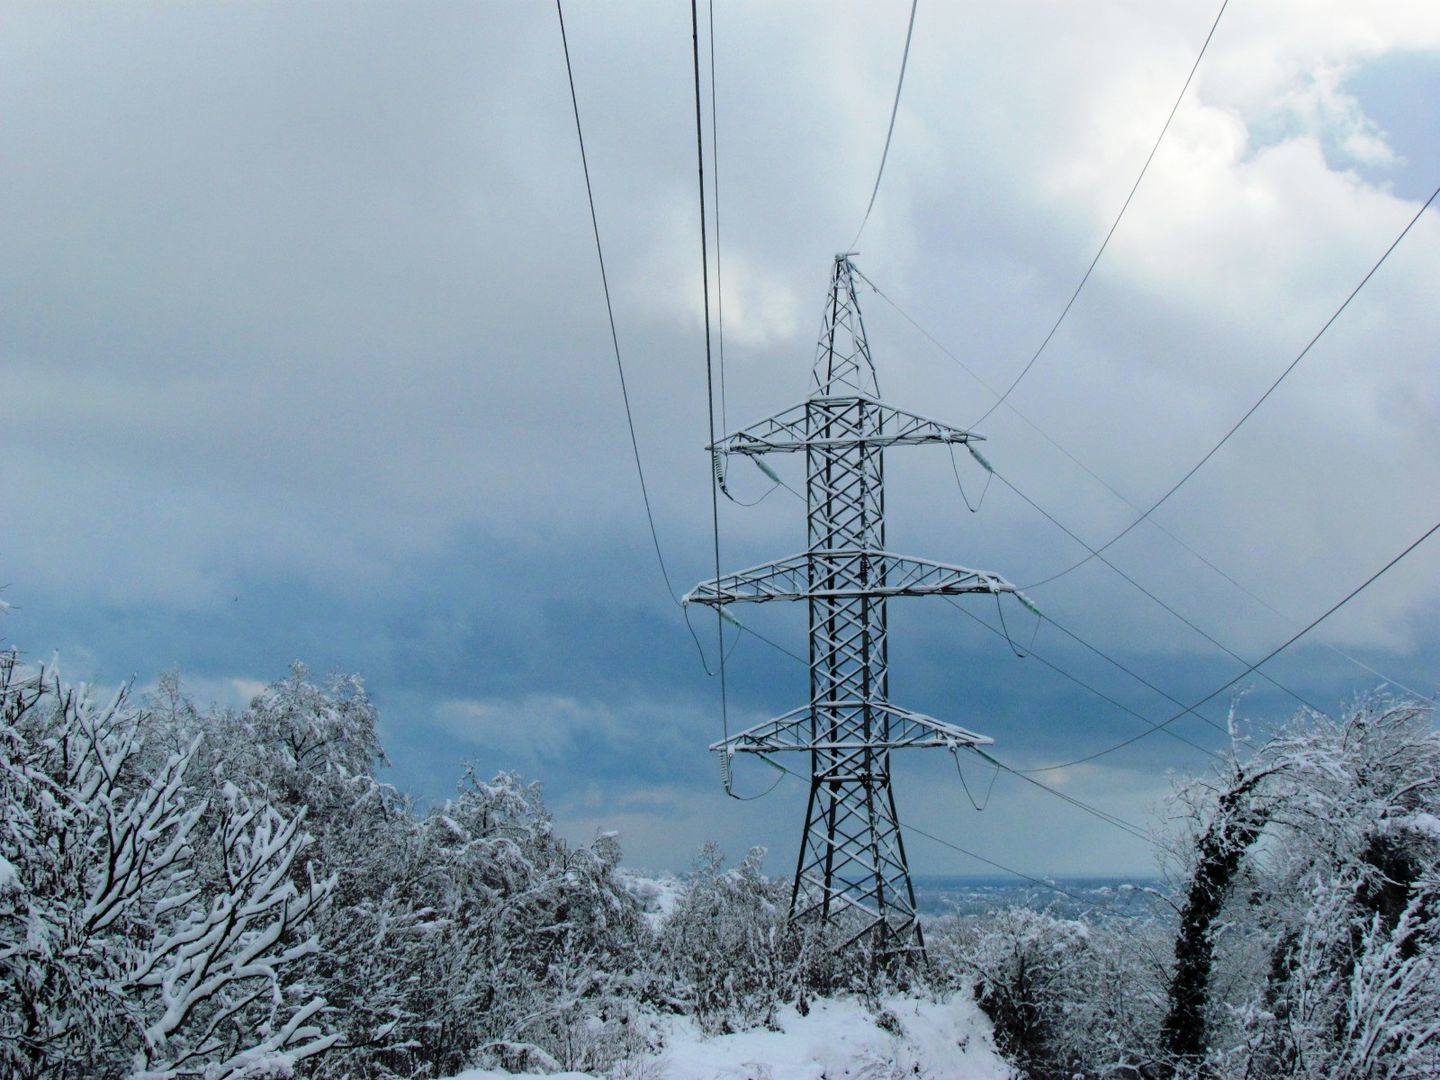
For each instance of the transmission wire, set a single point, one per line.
(1087, 686)
(1266, 659)
(1096, 553)
(989, 790)
(710, 391)
(1117, 493)
(1250, 411)
(1102, 815)
(953, 846)
(610, 312)
(715, 196)
(615, 341)
(1115, 224)
(890, 131)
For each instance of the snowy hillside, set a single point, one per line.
(909, 1037)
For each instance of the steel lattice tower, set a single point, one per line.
(852, 872)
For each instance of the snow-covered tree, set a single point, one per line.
(1307, 935)
(119, 953)
(1352, 933)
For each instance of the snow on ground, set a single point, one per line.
(657, 896)
(944, 1040)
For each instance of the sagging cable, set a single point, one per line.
(955, 753)
(728, 777)
(955, 468)
(717, 465)
(1005, 629)
(704, 661)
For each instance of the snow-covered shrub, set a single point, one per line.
(724, 954)
(467, 935)
(139, 933)
(534, 941)
(1067, 997)
(1028, 972)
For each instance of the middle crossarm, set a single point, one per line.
(845, 573)
(794, 731)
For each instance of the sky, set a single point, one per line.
(304, 355)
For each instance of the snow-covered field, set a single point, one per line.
(941, 1040)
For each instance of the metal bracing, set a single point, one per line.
(852, 872)
(791, 430)
(853, 573)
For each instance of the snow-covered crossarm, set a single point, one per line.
(845, 573)
(833, 421)
(795, 731)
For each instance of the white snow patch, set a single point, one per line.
(1424, 823)
(657, 897)
(948, 1039)
(9, 877)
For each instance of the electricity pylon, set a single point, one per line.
(852, 872)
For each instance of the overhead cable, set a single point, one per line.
(1198, 555)
(610, 311)
(1110, 819)
(1251, 410)
(1096, 553)
(1255, 666)
(715, 195)
(890, 131)
(710, 385)
(1087, 686)
(615, 342)
(1113, 225)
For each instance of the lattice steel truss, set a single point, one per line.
(852, 871)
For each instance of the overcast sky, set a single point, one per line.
(303, 354)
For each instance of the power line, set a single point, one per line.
(715, 189)
(952, 845)
(1087, 686)
(1113, 225)
(1251, 410)
(890, 131)
(1110, 819)
(610, 312)
(1096, 553)
(1200, 556)
(1255, 666)
(615, 342)
(719, 274)
(709, 379)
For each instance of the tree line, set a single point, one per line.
(231, 893)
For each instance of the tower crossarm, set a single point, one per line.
(845, 573)
(796, 730)
(813, 425)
